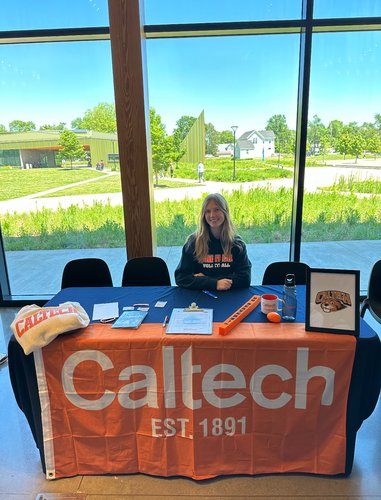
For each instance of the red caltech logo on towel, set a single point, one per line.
(25, 324)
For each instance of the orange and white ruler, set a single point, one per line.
(239, 314)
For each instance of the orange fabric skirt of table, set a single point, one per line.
(264, 399)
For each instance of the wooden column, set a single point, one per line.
(132, 115)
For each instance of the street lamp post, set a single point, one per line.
(234, 128)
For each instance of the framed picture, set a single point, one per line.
(332, 301)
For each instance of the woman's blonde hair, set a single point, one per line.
(202, 234)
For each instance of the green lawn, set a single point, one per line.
(166, 183)
(354, 184)
(261, 215)
(15, 182)
(222, 169)
(110, 184)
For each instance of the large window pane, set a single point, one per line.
(55, 204)
(247, 82)
(43, 14)
(346, 8)
(199, 11)
(342, 205)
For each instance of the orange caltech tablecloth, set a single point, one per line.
(260, 400)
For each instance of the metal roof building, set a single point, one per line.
(39, 148)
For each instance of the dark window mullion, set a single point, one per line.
(51, 35)
(301, 132)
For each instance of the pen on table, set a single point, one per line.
(165, 321)
(107, 320)
(210, 294)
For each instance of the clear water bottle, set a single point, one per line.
(289, 298)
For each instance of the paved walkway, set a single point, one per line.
(316, 177)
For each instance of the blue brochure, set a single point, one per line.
(130, 319)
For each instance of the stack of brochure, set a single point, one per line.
(130, 319)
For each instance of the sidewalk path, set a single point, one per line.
(315, 178)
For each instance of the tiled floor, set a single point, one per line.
(21, 476)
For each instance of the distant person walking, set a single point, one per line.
(200, 171)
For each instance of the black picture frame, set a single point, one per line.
(333, 301)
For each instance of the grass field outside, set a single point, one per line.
(261, 214)
(353, 184)
(16, 182)
(111, 184)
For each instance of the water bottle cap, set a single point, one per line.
(290, 280)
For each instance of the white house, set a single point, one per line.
(225, 150)
(255, 144)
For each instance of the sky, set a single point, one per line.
(239, 81)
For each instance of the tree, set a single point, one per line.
(377, 120)
(159, 144)
(211, 139)
(335, 129)
(60, 126)
(283, 136)
(226, 137)
(367, 129)
(278, 125)
(351, 142)
(164, 148)
(325, 142)
(176, 152)
(76, 124)
(352, 126)
(183, 126)
(357, 145)
(343, 143)
(2, 128)
(315, 132)
(20, 126)
(72, 149)
(373, 145)
(100, 118)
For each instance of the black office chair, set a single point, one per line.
(373, 301)
(275, 273)
(146, 271)
(86, 272)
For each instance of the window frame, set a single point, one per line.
(127, 30)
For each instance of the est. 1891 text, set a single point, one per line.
(217, 426)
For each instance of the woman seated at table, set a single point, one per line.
(214, 257)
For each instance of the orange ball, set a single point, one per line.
(274, 317)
